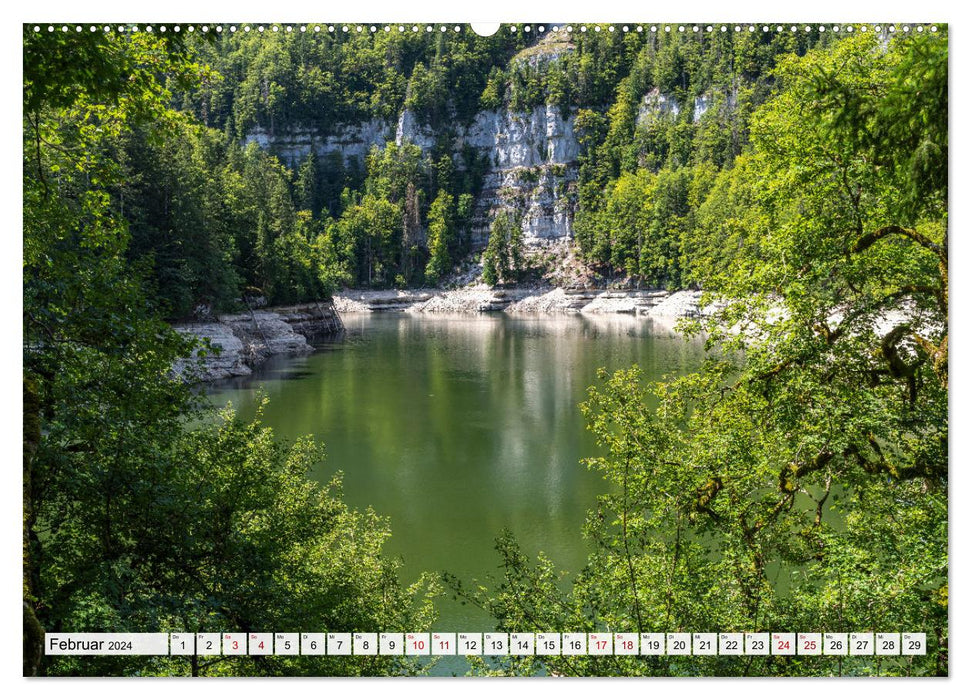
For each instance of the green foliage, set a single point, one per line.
(648, 122)
(135, 517)
(237, 538)
(178, 216)
(60, 67)
(493, 96)
(321, 80)
(502, 260)
(210, 218)
(441, 237)
(798, 481)
(307, 186)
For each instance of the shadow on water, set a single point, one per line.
(291, 375)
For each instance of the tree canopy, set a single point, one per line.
(142, 510)
(799, 481)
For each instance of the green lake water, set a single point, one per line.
(458, 427)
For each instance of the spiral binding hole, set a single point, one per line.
(525, 28)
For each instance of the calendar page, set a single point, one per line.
(557, 349)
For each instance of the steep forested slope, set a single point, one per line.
(306, 160)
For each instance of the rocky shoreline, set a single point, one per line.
(481, 298)
(241, 342)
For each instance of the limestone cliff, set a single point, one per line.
(532, 161)
(531, 157)
(655, 105)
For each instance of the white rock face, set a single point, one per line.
(532, 160)
(549, 213)
(350, 141)
(655, 105)
(242, 341)
(410, 130)
(520, 140)
(532, 170)
(657, 305)
(702, 104)
(266, 333)
(226, 361)
(724, 101)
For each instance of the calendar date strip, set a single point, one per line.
(487, 644)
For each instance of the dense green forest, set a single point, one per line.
(142, 511)
(810, 201)
(212, 219)
(814, 440)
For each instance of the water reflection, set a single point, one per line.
(458, 427)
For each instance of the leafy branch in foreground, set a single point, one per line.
(799, 480)
(142, 510)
